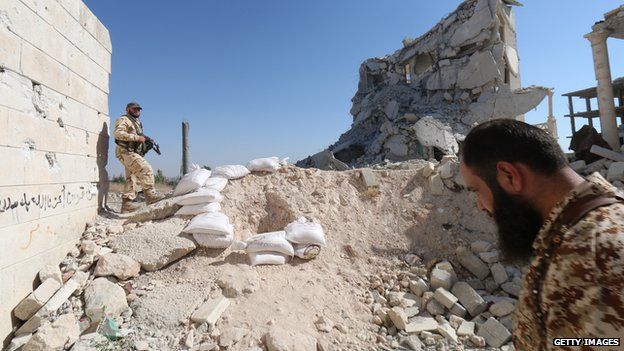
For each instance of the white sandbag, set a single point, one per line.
(267, 257)
(307, 251)
(192, 210)
(238, 245)
(215, 223)
(201, 196)
(303, 232)
(267, 164)
(230, 171)
(273, 241)
(216, 183)
(213, 241)
(192, 181)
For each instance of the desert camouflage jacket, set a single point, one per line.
(126, 131)
(582, 290)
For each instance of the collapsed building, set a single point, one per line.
(417, 102)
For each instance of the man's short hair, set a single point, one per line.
(512, 141)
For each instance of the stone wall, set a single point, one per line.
(416, 101)
(55, 61)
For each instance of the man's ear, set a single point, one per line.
(510, 177)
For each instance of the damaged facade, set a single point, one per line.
(417, 102)
(55, 61)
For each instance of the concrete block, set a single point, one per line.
(440, 279)
(210, 311)
(419, 324)
(448, 267)
(458, 310)
(498, 273)
(369, 178)
(444, 297)
(616, 171)
(606, 153)
(42, 69)
(10, 46)
(472, 263)
(448, 332)
(52, 305)
(51, 271)
(489, 257)
(502, 308)
(511, 288)
(435, 308)
(469, 298)
(494, 333)
(33, 302)
(87, 93)
(398, 317)
(466, 328)
(418, 286)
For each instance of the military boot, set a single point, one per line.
(152, 196)
(128, 205)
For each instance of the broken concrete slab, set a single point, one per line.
(481, 68)
(210, 311)
(606, 153)
(33, 302)
(445, 297)
(76, 282)
(431, 132)
(155, 245)
(159, 210)
(419, 324)
(398, 317)
(51, 271)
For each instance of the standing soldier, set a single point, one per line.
(130, 150)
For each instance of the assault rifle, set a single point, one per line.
(150, 144)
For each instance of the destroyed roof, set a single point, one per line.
(410, 49)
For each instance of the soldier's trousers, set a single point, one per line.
(138, 172)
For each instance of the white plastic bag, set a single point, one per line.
(216, 183)
(258, 258)
(230, 171)
(192, 210)
(303, 232)
(201, 196)
(213, 241)
(268, 164)
(192, 181)
(307, 251)
(273, 241)
(215, 223)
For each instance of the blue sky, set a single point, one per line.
(259, 78)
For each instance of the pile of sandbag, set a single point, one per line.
(306, 237)
(192, 181)
(300, 238)
(212, 229)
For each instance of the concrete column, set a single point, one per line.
(608, 122)
(551, 120)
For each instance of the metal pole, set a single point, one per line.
(185, 147)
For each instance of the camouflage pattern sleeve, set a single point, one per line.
(124, 130)
(584, 287)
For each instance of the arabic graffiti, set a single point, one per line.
(46, 202)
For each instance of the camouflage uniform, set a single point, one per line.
(581, 293)
(138, 170)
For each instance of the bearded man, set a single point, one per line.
(571, 229)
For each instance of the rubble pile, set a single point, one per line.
(608, 163)
(139, 283)
(418, 305)
(416, 102)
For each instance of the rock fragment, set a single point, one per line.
(238, 280)
(472, 263)
(469, 298)
(398, 317)
(104, 298)
(121, 266)
(279, 339)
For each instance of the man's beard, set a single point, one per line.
(518, 224)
